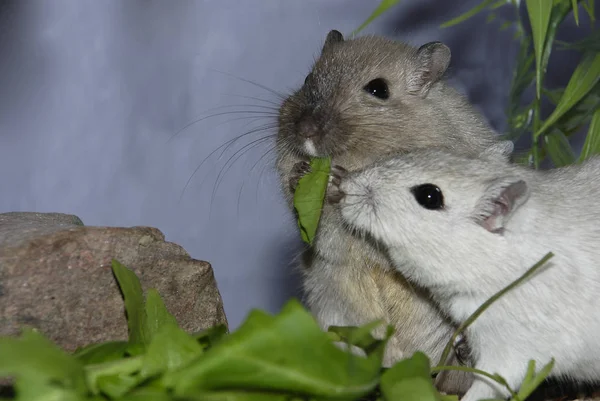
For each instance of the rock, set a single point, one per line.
(55, 275)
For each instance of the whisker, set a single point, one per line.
(279, 95)
(236, 156)
(263, 113)
(228, 143)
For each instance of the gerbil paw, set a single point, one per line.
(334, 193)
(299, 170)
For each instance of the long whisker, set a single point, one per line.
(279, 95)
(263, 113)
(239, 153)
(226, 144)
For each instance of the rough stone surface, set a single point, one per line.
(55, 275)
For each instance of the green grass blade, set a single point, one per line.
(559, 149)
(592, 140)
(383, 6)
(465, 16)
(539, 16)
(584, 78)
(533, 269)
(575, 11)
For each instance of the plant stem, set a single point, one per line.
(487, 303)
(494, 377)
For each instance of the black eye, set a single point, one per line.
(378, 88)
(429, 196)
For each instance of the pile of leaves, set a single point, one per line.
(271, 358)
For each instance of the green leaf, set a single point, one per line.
(102, 352)
(584, 78)
(409, 379)
(592, 140)
(575, 11)
(559, 149)
(40, 366)
(117, 385)
(309, 197)
(589, 43)
(288, 352)
(539, 16)
(532, 381)
(463, 17)
(171, 348)
(209, 337)
(134, 306)
(114, 377)
(362, 337)
(157, 314)
(383, 6)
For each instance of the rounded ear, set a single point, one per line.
(334, 36)
(432, 61)
(501, 198)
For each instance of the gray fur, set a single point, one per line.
(348, 281)
(498, 220)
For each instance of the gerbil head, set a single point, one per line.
(432, 205)
(363, 96)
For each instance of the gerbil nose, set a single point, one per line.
(307, 128)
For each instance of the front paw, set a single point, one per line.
(299, 170)
(334, 192)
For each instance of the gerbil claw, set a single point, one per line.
(299, 170)
(334, 193)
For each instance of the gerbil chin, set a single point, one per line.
(466, 228)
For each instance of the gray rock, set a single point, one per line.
(55, 275)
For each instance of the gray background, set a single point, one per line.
(91, 92)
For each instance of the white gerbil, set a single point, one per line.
(465, 228)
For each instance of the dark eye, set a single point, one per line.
(429, 196)
(378, 88)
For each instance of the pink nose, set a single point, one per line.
(307, 128)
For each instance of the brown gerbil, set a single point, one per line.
(364, 99)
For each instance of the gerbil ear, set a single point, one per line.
(502, 149)
(500, 200)
(432, 61)
(333, 36)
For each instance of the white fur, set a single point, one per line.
(555, 314)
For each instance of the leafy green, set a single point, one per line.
(558, 148)
(539, 17)
(157, 314)
(289, 352)
(134, 306)
(532, 380)
(592, 141)
(103, 352)
(273, 358)
(40, 367)
(383, 6)
(584, 78)
(465, 16)
(309, 197)
(409, 379)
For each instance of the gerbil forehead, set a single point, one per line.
(345, 66)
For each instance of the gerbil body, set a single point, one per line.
(364, 99)
(466, 228)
